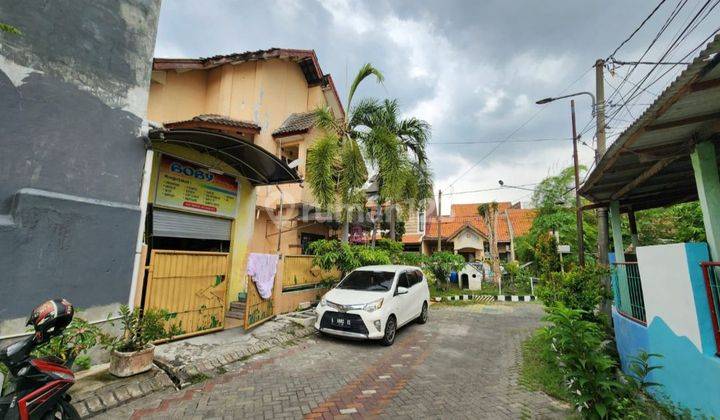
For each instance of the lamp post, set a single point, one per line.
(578, 204)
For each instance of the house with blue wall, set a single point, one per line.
(667, 296)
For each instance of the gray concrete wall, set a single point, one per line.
(74, 89)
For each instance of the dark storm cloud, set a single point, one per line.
(471, 68)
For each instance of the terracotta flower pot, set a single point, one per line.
(124, 364)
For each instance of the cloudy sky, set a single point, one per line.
(472, 69)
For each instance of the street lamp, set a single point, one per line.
(578, 204)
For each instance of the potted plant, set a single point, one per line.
(132, 352)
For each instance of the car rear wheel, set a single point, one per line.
(390, 330)
(423, 318)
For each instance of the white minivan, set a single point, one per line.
(373, 302)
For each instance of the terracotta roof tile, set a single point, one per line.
(216, 119)
(521, 220)
(471, 209)
(295, 124)
(412, 238)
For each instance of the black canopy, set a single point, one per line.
(254, 163)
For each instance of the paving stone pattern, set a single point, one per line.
(462, 364)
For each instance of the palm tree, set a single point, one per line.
(336, 170)
(489, 213)
(396, 149)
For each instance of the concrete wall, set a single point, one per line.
(678, 327)
(74, 96)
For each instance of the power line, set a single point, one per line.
(499, 141)
(489, 189)
(635, 63)
(636, 29)
(682, 35)
(673, 15)
(526, 122)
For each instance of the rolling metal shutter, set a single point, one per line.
(175, 224)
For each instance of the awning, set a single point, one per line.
(649, 164)
(256, 164)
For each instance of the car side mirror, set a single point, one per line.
(402, 290)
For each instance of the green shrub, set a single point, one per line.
(393, 248)
(412, 258)
(581, 288)
(581, 357)
(329, 254)
(441, 264)
(141, 328)
(576, 348)
(82, 362)
(79, 337)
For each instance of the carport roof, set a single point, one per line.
(649, 164)
(256, 164)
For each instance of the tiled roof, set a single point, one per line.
(296, 124)
(521, 220)
(412, 238)
(215, 119)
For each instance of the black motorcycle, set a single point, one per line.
(38, 387)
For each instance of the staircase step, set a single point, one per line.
(236, 314)
(237, 306)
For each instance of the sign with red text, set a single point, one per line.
(187, 186)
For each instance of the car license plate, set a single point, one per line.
(340, 322)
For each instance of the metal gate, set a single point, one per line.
(191, 285)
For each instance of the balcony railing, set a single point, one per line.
(627, 287)
(711, 274)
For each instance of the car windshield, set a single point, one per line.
(371, 281)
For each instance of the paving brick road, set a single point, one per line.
(462, 364)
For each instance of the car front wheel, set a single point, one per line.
(390, 330)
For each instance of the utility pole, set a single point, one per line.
(578, 203)
(602, 215)
(439, 210)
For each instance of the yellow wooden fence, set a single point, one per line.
(192, 285)
(298, 271)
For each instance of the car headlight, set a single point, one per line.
(373, 306)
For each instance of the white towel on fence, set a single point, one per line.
(262, 269)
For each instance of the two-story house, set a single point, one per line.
(464, 231)
(272, 93)
(226, 163)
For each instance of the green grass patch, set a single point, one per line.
(198, 377)
(538, 373)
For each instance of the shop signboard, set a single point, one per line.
(187, 186)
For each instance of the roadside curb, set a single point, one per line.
(485, 298)
(458, 298)
(516, 298)
(188, 374)
(117, 391)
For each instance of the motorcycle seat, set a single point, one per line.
(16, 350)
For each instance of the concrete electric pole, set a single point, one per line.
(602, 215)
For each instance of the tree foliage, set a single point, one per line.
(678, 223)
(555, 203)
(335, 169)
